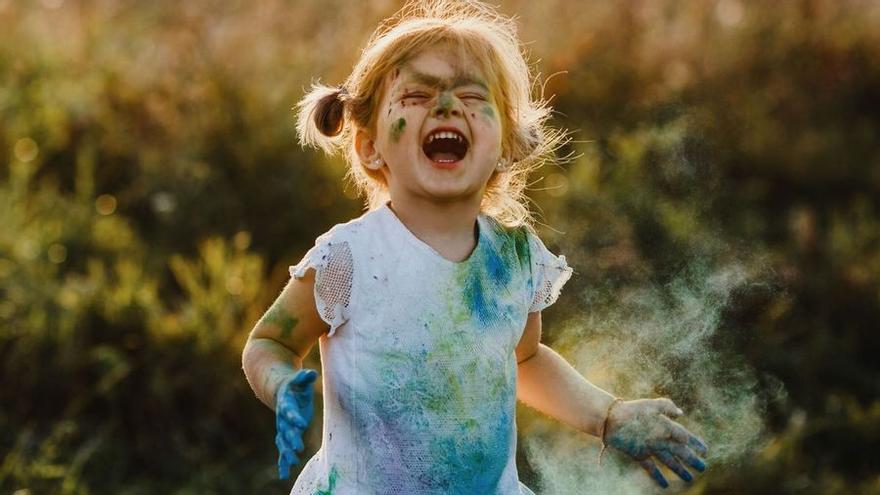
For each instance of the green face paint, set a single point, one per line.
(397, 129)
(488, 111)
(445, 102)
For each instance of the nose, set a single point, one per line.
(446, 106)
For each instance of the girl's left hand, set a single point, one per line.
(293, 412)
(642, 429)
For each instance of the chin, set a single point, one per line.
(450, 192)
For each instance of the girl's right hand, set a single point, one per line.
(293, 412)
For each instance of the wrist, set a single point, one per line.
(279, 379)
(298, 379)
(282, 381)
(603, 428)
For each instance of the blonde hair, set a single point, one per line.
(329, 117)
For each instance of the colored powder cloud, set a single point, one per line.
(656, 341)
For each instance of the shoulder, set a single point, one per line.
(513, 240)
(342, 243)
(333, 260)
(352, 228)
(350, 231)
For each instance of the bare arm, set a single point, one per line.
(640, 428)
(548, 383)
(282, 338)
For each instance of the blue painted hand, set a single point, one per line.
(293, 412)
(643, 429)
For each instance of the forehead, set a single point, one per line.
(444, 69)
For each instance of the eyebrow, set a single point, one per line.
(438, 82)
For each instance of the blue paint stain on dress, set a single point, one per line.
(476, 297)
(490, 270)
(498, 271)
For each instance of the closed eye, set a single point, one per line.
(415, 95)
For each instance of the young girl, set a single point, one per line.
(427, 308)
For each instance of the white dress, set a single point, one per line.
(418, 367)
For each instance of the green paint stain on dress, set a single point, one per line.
(515, 249)
(397, 129)
(334, 477)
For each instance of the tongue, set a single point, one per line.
(444, 157)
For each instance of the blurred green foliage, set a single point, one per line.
(152, 196)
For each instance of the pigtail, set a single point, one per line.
(321, 117)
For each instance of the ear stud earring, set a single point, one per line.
(502, 165)
(375, 164)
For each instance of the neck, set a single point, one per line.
(447, 227)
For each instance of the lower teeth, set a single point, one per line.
(444, 157)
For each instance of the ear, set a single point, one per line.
(366, 150)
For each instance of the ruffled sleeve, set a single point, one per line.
(332, 261)
(549, 274)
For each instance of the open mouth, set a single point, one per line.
(444, 146)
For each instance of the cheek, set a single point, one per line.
(400, 119)
(489, 113)
(485, 119)
(398, 126)
(398, 123)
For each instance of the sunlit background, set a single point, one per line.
(721, 216)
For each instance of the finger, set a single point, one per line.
(286, 459)
(667, 407)
(677, 432)
(304, 377)
(279, 420)
(294, 439)
(295, 418)
(687, 455)
(654, 472)
(283, 468)
(697, 444)
(289, 437)
(682, 435)
(673, 464)
(301, 397)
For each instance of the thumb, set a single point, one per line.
(304, 377)
(668, 407)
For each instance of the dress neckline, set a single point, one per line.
(424, 246)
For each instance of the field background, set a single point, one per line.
(721, 215)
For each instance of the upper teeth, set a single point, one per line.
(445, 135)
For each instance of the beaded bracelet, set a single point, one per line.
(605, 428)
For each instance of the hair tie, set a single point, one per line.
(342, 91)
